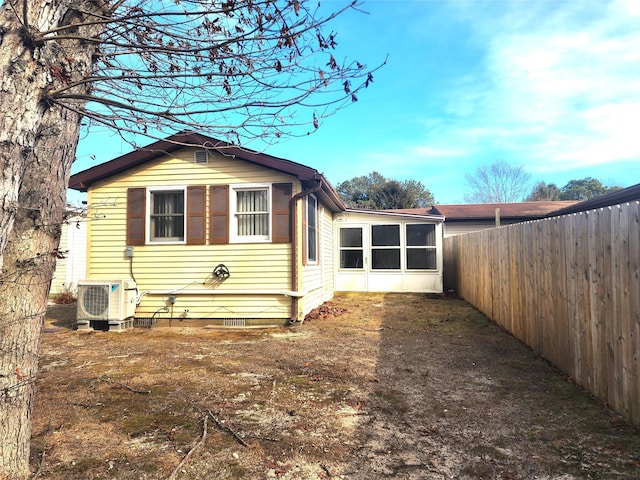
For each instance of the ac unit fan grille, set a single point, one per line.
(95, 299)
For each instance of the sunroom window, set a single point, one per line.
(166, 215)
(421, 246)
(351, 252)
(385, 247)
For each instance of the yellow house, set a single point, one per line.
(234, 237)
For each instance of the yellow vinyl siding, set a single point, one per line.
(318, 279)
(327, 256)
(178, 267)
(216, 306)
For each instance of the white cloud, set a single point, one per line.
(425, 152)
(562, 87)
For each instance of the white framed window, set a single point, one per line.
(351, 248)
(385, 247)
(421, 250)
(250, 207)
(166, 214)
(312, 229)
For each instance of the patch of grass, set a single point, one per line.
(488, 451)
(375, 379)
(502, 441)
(62, 315)
(394, 400)
(77, 468)
(236, 470)
(479, 469)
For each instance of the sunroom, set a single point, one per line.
(388, 252)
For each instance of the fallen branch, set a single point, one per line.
(222, 426)
(124, 356)
(37, 474)
(268, 439)
(190, 452)
(131, 389)
(88, 364)
(326, 470)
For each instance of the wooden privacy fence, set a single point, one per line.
(567, 286)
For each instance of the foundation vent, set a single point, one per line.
(235, 322)
(145, 322)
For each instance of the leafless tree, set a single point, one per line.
(233, 69)
(498, 182)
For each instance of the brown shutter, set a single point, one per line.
(136, 200)
(219, 198)
(196, 219)
(281, 193)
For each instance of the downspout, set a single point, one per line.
(294, 245)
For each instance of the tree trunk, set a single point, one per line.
(37, 147)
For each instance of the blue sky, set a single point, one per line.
(548, 84)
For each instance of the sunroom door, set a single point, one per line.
(352, 259)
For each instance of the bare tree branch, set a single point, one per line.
(498, 182)
(166, 66)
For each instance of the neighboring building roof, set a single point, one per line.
(486, 211)
(478, 211)
(629, 194)
(308, 176)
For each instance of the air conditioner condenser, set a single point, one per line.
(105, 301)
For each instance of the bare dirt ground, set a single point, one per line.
(373, 387)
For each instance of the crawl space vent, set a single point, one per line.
(235, 322)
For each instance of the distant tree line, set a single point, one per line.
(583, 189)
(375, 192)
(503, 182)
(499, 182)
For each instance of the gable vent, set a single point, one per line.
(201, 156)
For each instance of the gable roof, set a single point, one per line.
(308, 176)
(629, 194)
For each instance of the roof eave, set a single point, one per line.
(83, 180)
(438, 218)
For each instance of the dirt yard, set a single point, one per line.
(373, 387)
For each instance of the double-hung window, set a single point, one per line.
(166, 215)
(312, 229)
(421, 246)
(251, 213)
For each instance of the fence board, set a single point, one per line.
(634, 310)
(624, 319)
(571, 312)
(569, 287)
(610, 309)
(600, 298)
(582, 325)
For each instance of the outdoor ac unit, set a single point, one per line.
(108, 300)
